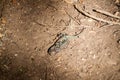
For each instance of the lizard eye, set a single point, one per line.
(59, 34)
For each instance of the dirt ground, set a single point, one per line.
(29, 27)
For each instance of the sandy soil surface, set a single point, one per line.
(29, 27)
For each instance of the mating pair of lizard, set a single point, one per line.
(62, 42)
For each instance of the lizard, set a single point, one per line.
(62, 42)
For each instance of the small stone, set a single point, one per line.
(1, 35)
(3, 48)
(65, 68)
(94, 56)
(83, 59)
(26, 44)
(16, 55)
(51, 75)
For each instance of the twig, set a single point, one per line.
(72, 18)
(80, 31)
(93, 17)
(106, 13)
(40, 24)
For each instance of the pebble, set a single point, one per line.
(1, 35)
(83, 59)
(16, 55)
(94, 56)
